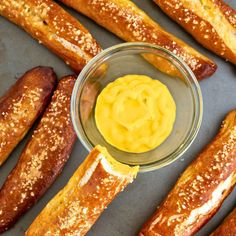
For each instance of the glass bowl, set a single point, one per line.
(144, 59)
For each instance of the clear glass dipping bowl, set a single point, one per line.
(129, 58)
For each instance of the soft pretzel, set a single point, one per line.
(52, 26)
(42, 159)
(78, 205)
(201, 189)
(21, 106)
(211, 22)
(127, 21)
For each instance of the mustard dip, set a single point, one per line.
(135, 113)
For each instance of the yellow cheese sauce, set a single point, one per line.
(135, 113)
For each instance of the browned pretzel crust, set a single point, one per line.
(127, 21)
(211, 22)
(228, 227)
(201, 189)
(47, 22)
(78, 205)
(21, 106)
(43, 158)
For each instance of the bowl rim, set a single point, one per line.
(194, 85)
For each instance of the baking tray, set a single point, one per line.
(126, 214)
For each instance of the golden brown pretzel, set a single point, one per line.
(228, 226)
(78, 205)
(211, 22)
(201, 189)
(42, 159)
(52, 26)
(126, 20)
(21, 106)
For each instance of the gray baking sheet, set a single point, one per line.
(126, 214)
